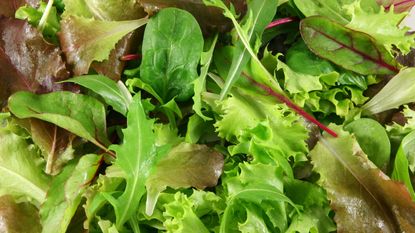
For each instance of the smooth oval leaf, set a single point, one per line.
(108, 89)
(172, 46)
(352, 50)
(373, 140)
(80, 114)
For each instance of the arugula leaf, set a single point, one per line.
(260, 15)
(382, 26)
(186, 165)
(363, 197)
(65, 193)
(200, 82)
(114, 94)
(18, 217)
(352, 50)
(398, 91)
(85, 40)
(172, 46)
(80, 114)
(21, 168)
(136, 157)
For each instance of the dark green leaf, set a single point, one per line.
(172, 46)
(373, 140)
(113, 93)
(404, 162)
(352, 50)
(80, 114)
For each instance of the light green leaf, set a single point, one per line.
(328, 8)
(107, 89)
(260, 14)
(65, 193)
(136, 156)
(404, 162)
(21, 168)
(200, 82)
(398, 91)
(381, 25)
(79, 114)
(186, 165)
(86, 40)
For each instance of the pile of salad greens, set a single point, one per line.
(206, 116)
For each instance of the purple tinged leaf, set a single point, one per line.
(398, 5)
(352, 50)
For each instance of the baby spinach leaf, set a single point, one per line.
(65, 193)
(21, 168)
(200, 82)
(86, 40)
(373, 140)
(398, 91)
(186, 165)
(352, 50)
(80, 114)
(363, 197)
(172, 46)
(114, 94)
(136, 156)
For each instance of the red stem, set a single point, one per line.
(130, 57)
(281, 22)
(293, 106)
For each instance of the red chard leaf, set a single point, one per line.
(352, 50)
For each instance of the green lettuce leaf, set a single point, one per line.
(21, 170)
(381, 25)
(328, 8)
(65, 193)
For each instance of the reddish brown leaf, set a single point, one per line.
(398, 5)
(363, 197)
(9, 7)
(210, 18)
(27, 61)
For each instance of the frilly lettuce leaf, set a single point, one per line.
(21, 168)
(18, 217)
(381, 25)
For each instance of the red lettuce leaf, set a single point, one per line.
(363, 197)
(398, 5)
(27, 61)
(9, 7)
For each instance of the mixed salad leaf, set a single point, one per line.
(207, 116)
